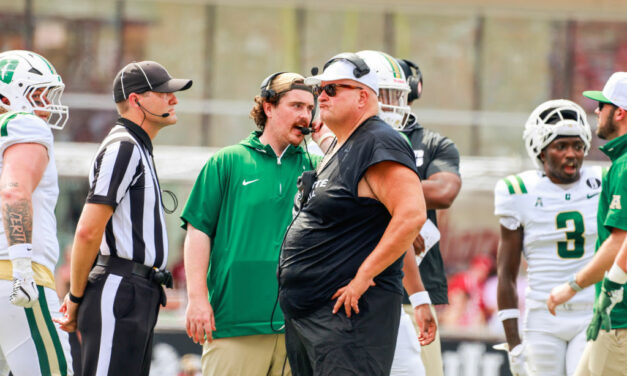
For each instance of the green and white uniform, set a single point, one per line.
(613, 211)
(560, 232)
(559, 223)
(30, 341)
(242, 200)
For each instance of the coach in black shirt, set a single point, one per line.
(115, 304)
(340, 266)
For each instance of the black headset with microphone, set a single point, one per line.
(268, 94)
(163, 115)
(361, 68)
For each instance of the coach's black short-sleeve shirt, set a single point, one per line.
(336, 230)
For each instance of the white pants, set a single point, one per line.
(407, 361)
(554, 344)
(29, 341)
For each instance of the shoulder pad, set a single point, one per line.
(24, 127)
(18, 120)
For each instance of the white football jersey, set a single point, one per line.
(559, 224)
(15, 128)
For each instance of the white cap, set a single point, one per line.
(344, 70)
(614, 91)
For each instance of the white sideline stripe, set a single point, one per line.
(109, 291)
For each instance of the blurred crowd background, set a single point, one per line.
(486, 65)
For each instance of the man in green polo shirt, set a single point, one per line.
(606, 352)
(236, 216)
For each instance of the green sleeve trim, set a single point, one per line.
(510, 187)
(406, 138)
(523, 189)
(4, 121)
(515, 185)
(6, 118)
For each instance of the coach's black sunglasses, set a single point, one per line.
(331, 89)
(601, 104)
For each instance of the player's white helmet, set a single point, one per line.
(393, 88)
(559, 117)
(22, 73)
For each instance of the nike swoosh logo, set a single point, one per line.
(245, 183)
(591, 195)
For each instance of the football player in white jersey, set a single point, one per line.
(394, 110)
(30, 105)
(548, 216)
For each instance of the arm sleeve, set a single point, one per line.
(445, 158)
(617, 213)
(25, 128)
(505, 206)
(203, 204)
(115, 168)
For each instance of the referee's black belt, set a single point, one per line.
(126, 267)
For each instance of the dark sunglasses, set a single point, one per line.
(331, 89)
(601, 104)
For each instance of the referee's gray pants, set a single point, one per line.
(116, 321)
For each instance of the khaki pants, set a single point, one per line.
(258, 355)
(607, 356)
(432, 353)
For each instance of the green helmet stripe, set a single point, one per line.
(396, 69)
(48, 64)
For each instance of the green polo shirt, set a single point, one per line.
(242, 200)
(612, 212)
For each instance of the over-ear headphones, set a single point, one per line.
(414, 78)
(266, 92)
(361, 68)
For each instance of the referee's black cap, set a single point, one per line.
(139, 77)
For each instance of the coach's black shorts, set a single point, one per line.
(322, 343)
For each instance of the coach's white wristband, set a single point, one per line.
(616, 274)
(419, 298)
(506, 314)
(24, 250)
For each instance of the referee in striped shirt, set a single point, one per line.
(115, 303)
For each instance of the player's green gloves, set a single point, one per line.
(611, 294)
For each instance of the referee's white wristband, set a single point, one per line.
(419, 298)
(24, 250)
(506, 314)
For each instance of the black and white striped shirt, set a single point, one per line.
(123, 176)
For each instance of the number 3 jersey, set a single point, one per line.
(559, 224)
